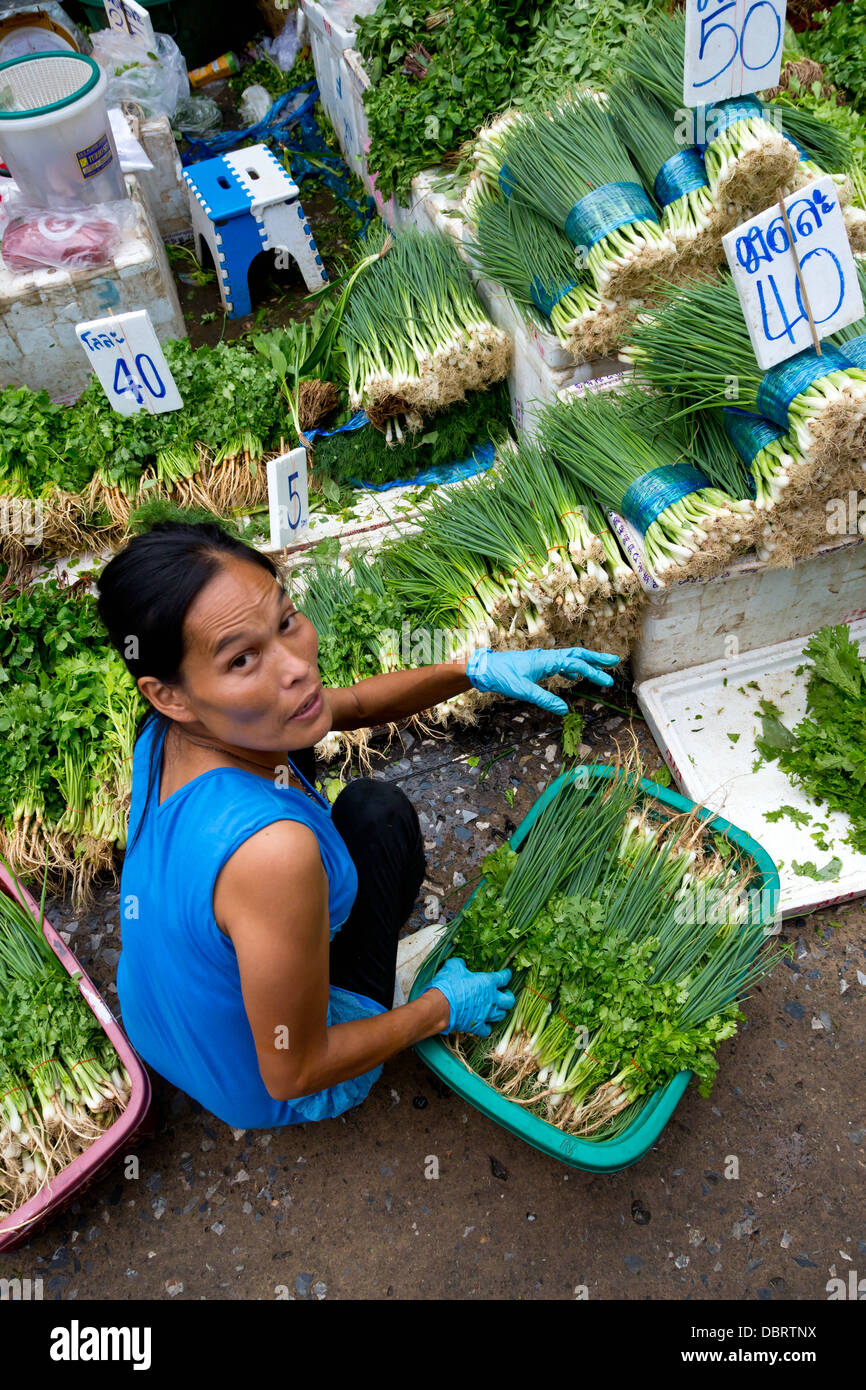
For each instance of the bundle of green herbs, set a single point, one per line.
(61, 1082)
(415, 336)
(68, 713)
(825, 754)
(632, 938)
(447, 436)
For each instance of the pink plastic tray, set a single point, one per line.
(19, 1226)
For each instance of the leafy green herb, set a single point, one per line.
(572, 731)
(809, 870)
(791, 812)
(735, 738)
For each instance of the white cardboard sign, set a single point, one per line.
(765, 274)
(124, 352)
(732, 47)
(126, 17)
(288, 501)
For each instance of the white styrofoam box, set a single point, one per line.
(691, 713)
(164, 186)
(699, 621)
(39, 309)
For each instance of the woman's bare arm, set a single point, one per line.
(272, 901)
(396, 695)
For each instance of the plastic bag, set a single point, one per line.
(36, 237)
(157, 84)
(196, 115)
(256, 102)
(129, 151)
(283, 50)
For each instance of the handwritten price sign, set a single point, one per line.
(288, 501)
(124, 352)
(732, 47)
(126, 17)
(765, 273)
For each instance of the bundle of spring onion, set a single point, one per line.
(746, 159)
(676, 175)
(61, 1082)
(570, 166)
(516, 557)
(68, 722)
(631, 938)
(415, 336)
(612, 443)
(697, 343)
(535, 262)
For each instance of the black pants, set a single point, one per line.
(380, 827)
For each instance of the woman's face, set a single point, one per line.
(250, 671)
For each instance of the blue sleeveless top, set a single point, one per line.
(178, 980)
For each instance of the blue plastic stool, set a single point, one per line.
(243, 203)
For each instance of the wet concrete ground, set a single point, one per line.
(756, 1193)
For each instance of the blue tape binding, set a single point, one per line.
(681, 174)
(782, 384)
(855, 351)
(651, 494)
(606, 208)
(749, 433)
(506, 183)
(722, 114)
(544, 299)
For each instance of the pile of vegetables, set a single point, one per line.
(68, 712)
(437, 74)
(697, 343)
(415, 336)
(517, 556)
(447, 436)
(825, 754)
(569, 165)
(621, 446)
(621, 981)
(62, 1084)
(534, 261)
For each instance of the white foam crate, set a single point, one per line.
(695, 622)
(40, 308)
(715, 771)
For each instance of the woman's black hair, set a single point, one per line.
(145, 592)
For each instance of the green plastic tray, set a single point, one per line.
(603, 1156)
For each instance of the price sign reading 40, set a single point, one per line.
(732, 47)
(765, 273)
(125, 354)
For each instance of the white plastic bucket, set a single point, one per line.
(55, 135)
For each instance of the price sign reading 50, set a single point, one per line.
(732, 47)
(760, 256)
(124, 352)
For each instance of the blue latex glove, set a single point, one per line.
(517, 673)
(476, 998)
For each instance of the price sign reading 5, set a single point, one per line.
(732, 47)
(288, 502)
(124, 352)
(765, 273)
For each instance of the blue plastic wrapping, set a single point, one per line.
(681, 174)
(606, 208)
(546, 299)
(783, 383)
(855, 351)
(722, 114)
(749, 433)
(506, 182)
(651, 494)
